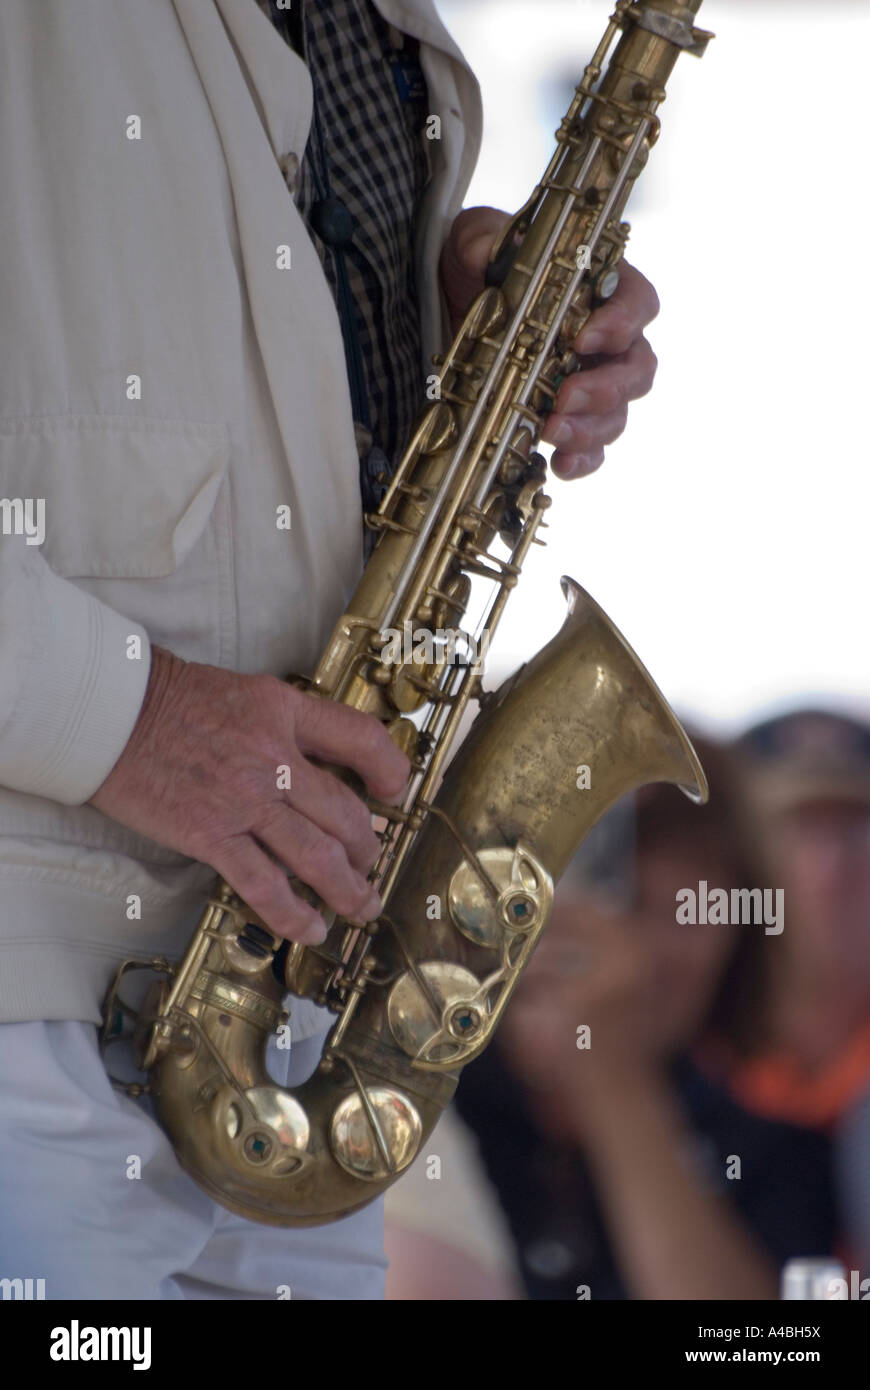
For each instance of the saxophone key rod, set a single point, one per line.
(540, 362)
(468, 433)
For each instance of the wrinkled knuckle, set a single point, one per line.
(367, 841)
(356, 819)
(212, 830)
(272, 818)
(567, 429)
(354, 814)
(260, 887)
(328, 857)
(275, 698)
(306, 836)
(370, 848)
(399, 781)
(299, 705)
(359, 897)
(200, 844)
(623, 334)
(270, 687)
(371, 739)
(586, 434)
(347, 898)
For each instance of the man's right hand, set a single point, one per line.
(200, 775)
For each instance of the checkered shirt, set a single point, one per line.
(377, 159)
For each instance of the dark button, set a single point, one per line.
(290, 169)
(333, 222)
(549, 1258)
(375, 472)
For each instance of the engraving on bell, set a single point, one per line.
(377, 1137)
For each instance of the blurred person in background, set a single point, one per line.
(807, 777)
(807, 774)
(625, 1171)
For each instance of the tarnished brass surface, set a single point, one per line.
(470, 860)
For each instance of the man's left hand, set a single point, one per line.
(591, 407)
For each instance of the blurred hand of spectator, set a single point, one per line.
(607, 1091)
(582, 1020)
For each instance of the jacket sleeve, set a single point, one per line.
(71, 684)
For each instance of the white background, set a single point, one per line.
(726, 533)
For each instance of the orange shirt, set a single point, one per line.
(776, 1085)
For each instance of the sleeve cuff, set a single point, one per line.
(77, 686)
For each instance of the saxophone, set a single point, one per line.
(469, 860)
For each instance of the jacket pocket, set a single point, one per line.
(122, 498)
(137, 512)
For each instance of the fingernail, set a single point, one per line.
(315, 935)
(580, 400)
(592, 341)
(571, 468)
(563, 433)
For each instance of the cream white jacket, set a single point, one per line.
(165, 387)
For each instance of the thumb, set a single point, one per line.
(472, 235)
(465, 255)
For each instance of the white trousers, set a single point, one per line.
(71, 1215)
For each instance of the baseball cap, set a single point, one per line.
(807, 755)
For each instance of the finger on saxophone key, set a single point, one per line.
(349, 738)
